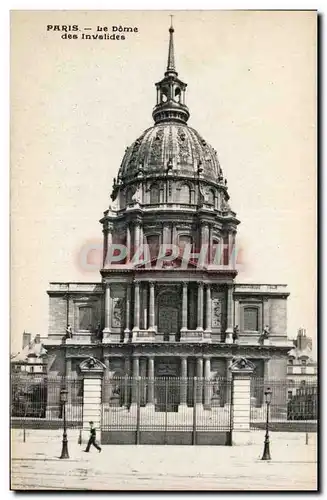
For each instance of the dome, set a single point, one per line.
(171, 145)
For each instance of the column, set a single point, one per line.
(200, 306)
(68, 369)
(199, 374)
(205, 240)
(135, 379)
(231, 250)
(151, 306)
(127, 382)
(165, 234)
(106, 381)
(183, 386)
(128, 243)
(145, 306)
(210, 253)
(141, 236)
(228, 387)
(142, 383)
(105, 246)
(208, 308)
(150, 401)
(184, 306)
(136, 237)
(107, 250)
(230, 315)
(107, 317)
(136, 305)
(127, 312)
(207, 388)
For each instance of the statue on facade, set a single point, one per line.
(236, 332)
(137, 196)
(69, 332)
(264, 335)
(98, 332)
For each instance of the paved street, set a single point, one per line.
(35, 465)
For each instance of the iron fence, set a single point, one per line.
(165, 404)
(291, 404)
(35, 398)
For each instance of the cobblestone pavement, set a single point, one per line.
(36, 465)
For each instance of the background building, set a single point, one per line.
(301, 365)
(32, 358)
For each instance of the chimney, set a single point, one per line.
(26, 339)
(37, 339)
(301, 339)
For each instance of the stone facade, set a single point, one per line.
(176, 314)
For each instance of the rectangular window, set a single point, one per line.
(85, 318)
(251, 319)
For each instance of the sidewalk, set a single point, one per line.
(36, 465)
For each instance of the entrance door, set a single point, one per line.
(168, 321)
(167, 394)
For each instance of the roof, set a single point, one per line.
(33, 349)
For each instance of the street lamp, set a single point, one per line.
(63, 400)
(266, 450)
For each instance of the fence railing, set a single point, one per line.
(160, 402)
(168, 404)
(289, 402)
(36, 397)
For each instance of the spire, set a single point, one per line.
(171, 53)
(170, 105)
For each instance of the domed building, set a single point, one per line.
(167, 304)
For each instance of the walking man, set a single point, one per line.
(92, 439)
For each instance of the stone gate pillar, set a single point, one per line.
(92, 370)
(241, 370)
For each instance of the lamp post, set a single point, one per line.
(266, 450)
(63, 400)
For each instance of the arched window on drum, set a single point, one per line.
(129, 196)
(211, 197)
(217, 252)
(184, 194)
(185, 242)
(153, 242)
(154, 194)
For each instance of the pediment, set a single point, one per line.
(92, 365)
(242, 365)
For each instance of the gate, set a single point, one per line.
(166, 410)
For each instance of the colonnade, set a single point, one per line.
(204, 304)
(202, 372)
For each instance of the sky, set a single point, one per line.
(77, 104)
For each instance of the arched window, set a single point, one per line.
(153, 242)
(217, 252)
(164, 95)
(129, 195)
(154, 194)
(211, 197)
(177, 94)
(251, 319)
(184, 194)
(183, 241)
